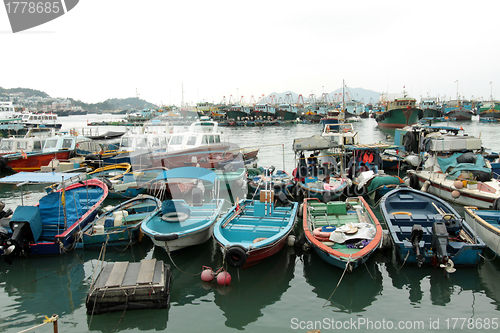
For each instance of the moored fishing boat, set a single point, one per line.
(343, 234)
(184, 222)
(121, 224)
(50, 227)
(253, 230)
(399, 113)
(428, 231)
(280, 180)
(60, 147)
(486, 224)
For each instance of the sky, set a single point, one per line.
(158, 49)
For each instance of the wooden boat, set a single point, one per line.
(184, 222)
(51, 226)
(253, 230)
(120, 225)
(343, 234)
(428, 231)
(486, 224)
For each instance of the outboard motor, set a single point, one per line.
(26, 226)
(440, 242)
(417, 233)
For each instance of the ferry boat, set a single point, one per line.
(34, 119)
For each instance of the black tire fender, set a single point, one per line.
(236, 256)
(414, 183)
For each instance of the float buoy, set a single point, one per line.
(207, 275)
(455, 194)
(290, 240)
(458, 184)
(224, 278)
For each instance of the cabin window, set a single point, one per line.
(217, 138)
(142, 143)
(51, 143)
(126, 142)
(204, 140)
(6, 145)
(21, 145)
(176, 140)
(67, 143)
(37, 145)
(191, 141)
(210, 139)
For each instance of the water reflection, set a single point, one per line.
(489, 272)
(356, 291)
(431, 282)
(38, 288)
(256, 288)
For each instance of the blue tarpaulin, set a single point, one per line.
(453, 168)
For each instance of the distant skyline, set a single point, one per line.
(113, 48)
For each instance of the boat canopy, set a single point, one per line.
(188, 172)
(315, 142)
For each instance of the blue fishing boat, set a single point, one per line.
(51, 226)
(428, 231)
(185, 218)
(120, 225)
(253, 230)
(344, 234)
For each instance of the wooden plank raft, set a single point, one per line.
(125, 285)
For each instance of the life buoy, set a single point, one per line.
(414, 183)
(322, 236)
(175, 217)
(236, 256)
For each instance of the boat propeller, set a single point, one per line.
(449, 266)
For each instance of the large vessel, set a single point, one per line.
(399, 113)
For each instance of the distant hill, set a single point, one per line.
(109, 104)
(364, 95)
(26, 91)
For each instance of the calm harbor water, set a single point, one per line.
(291, 291)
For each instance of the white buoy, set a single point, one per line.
(291, 240)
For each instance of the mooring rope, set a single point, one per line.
(340, 280)
(47, 320)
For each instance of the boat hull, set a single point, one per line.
(398, 118)
(489, 233)
(35, 161)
